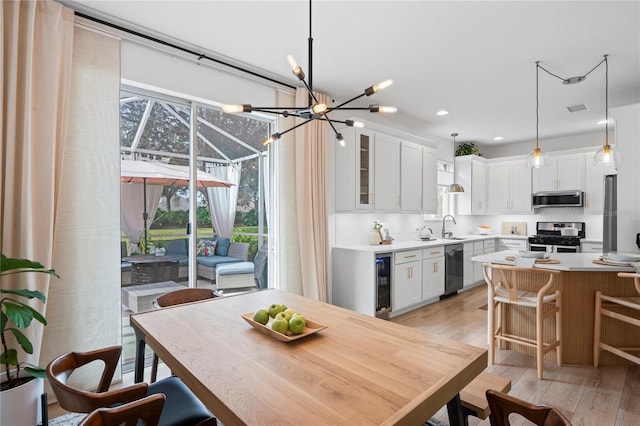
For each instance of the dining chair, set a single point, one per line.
(614, 307)
(181, 407)
(147, 410)
(502, 405)
(503, 283)
(177, 297)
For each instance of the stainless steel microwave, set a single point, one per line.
(557, 199)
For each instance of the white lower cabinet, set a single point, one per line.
(478, 250)
(511, 244)
(432, 272)
(591, 247)
(407, 279)
(467, 264)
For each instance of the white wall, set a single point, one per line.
(141, 64)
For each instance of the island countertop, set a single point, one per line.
(582, 262)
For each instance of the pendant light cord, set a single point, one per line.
(606, 100)
(582, 77)
(537, 102)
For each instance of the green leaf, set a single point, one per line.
(25, 344)
(22, 265)
(20, 314)
(29, 294)
(35, 371)
(9, 357)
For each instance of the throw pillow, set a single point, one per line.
(222, 246)
(206, 248)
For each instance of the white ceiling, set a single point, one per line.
(475, 59)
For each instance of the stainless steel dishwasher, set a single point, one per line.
(453, 264)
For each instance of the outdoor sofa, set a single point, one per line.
(226, 251)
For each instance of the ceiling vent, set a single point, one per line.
(576, 108)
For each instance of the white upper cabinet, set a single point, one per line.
(509, 187)
(594, 185)
(429, 181)
(378, 172)
(564, 173)
(471, 173)
(410, 177)
(367, 172)
(386, 184)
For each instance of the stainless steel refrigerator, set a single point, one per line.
(610, 222)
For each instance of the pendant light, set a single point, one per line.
(537, 159)
(454, 188)
(605, 155)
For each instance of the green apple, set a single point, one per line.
(296, 324)
(261, 316)
(289, 312)
(284, 307)
(284, 315)
(280, 325)
(274, 309)
(297, 314)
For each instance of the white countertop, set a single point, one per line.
(568, 261)
(418, 244)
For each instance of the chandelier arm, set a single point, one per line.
(346, 102)
(295, 127)
(328, 120)
(311, 95)
(351, 108)
(594, 68)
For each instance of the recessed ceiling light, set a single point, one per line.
(442, 112)
(498, 138)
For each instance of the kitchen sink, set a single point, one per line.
(454, 238)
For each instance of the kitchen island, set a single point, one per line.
(578, 282)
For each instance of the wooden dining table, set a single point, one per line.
(359, 370)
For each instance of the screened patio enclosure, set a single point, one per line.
(157, 128)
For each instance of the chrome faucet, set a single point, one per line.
(444, 234)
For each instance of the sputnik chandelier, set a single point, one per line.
(316, 110)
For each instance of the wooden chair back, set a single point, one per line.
(501, 405)
(146, 409)
(178, 297)
(82, 401)
(635, 276)
(507, 276)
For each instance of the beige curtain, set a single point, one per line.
(310, 198)
(37, 40)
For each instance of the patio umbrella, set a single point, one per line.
(148, 173)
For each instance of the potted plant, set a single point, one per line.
(467, 148)
(21, 381)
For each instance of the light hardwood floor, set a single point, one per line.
(605, 396)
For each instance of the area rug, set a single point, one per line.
(69, 419)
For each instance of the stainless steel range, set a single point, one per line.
(559, 237)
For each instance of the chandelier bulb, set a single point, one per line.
(340, 139)
(231, 109)
(352, 123)
(319, 109)
(297, 70)
(383, 109)
(274, 137)
(378, 87)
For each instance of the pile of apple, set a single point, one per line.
(284, 319)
